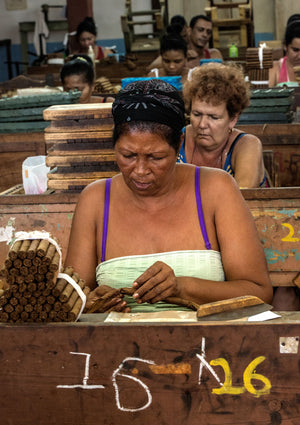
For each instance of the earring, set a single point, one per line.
(230, 130)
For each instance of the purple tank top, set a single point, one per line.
(199, 208)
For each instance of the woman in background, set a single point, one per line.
(173, 51)
(78, 74)
(86, 35)
(216, 94)
(283, 69)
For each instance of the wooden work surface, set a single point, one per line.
(90, 373)
(276, 213)
(284, 141)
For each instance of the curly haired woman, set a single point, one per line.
(215, 95)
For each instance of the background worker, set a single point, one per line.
(200, 32)
(283, 69)
(215, 96)
(78, 74)
(173, 51)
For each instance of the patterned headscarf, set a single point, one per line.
(149, 100)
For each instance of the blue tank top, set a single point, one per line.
(227, 166)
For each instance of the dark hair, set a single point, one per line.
(178, 19)
(88, 25)
(149, 105)
(79, 65)
(171, 136)
(292, 31)
(292, 18)
(196, 18)
(173, 41)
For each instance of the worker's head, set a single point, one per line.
(179, 22)
(173, 50)
(292, 42)
(86, 34)
(78, 74)
(200, 31)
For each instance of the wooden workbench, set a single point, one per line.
(276, 213)
(284, 141)
(90, 373)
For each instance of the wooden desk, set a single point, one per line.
(14, 149)
(276, 213)
(162, 373)
(284, 140)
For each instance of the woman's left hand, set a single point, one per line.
(157, 283)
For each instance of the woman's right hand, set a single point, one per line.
(105, 299)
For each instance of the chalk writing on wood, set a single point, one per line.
(225, 388)
(290, 237)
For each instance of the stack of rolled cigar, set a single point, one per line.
(33, 290)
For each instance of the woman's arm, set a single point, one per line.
(241, 251)
(274, 74)
(247, 162)
(82, 248)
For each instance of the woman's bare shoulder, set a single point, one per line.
(92, 194)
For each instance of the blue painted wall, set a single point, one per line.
(263, 36)
(51, 47)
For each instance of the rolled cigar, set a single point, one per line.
(19, 308)
(42, 248)
(31, 253)
(31, 287)
(14, 301)
(54, 265)
(49, 254)
(13, 252)
(61, 283)
(33, 315)
(24, 271)
(22, 253)
(17, 263)
(73, 314)
(36, 261)
(68, 290)
(8, 308)
(27, 262)
(3, 316)
(28, 308)
(19, 279)
(51, 299)
(24, 315)
(14, 316)
(29, 278)
(41, 285)
(8, 263)
(67, 306)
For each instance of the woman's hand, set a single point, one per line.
(104, 299)
(157, 283)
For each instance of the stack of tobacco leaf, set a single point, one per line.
(269, 106)
(33, 289)
(25, 113)
(258, 63)
(79, 145)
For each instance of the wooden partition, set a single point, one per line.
(276, 213)
(90, 373)
(284, 141)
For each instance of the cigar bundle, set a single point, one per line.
(33, 287)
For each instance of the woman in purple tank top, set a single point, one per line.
(157, 208)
